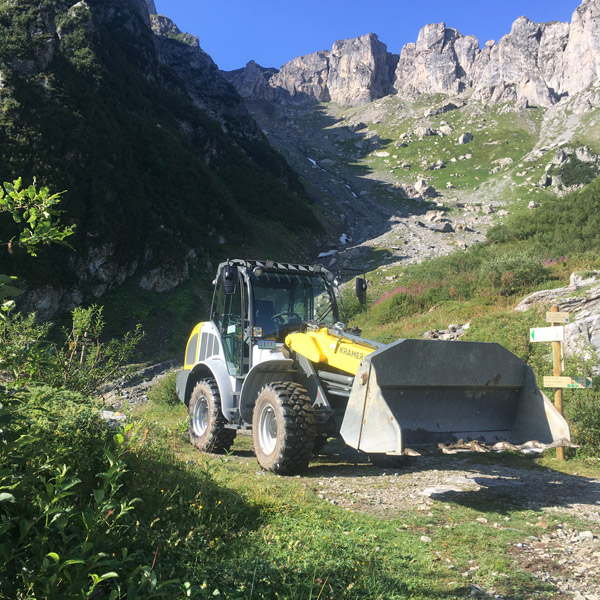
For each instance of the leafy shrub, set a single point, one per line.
(59, 536)
(559, 227)
(22, 353)
(82, 362)
(70, 425)
(512, 271)
(164, 391)
(582, 410)
(582, 407)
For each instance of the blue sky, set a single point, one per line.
(273, 32)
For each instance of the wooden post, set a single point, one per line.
(558, 394)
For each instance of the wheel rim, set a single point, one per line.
(267, 429)
(200, 416)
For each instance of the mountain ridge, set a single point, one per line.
(534, 64)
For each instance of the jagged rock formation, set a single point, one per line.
(354, 72)
(438, 62)
(535, 64)
(252, 82)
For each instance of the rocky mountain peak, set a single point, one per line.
(582, 51)
(534, 64)
(151, 7)
(353, 72)
(163, 26)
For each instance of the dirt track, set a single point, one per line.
(562, 554)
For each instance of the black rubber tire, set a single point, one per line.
(386, 461)
(283, 416)
(208, 434)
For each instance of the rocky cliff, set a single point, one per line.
(353, 72)
(535, 64)
(162, 163)
(203, 81)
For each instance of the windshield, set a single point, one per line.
(282, 302)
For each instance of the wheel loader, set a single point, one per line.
(276, 358)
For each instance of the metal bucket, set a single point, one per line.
(419, 392)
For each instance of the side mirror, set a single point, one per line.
(229, 277)
(360, 286)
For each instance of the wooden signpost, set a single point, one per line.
(555, 335)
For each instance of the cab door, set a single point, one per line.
(230, 315)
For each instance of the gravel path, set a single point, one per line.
(563, 554)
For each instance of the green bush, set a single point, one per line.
(568, 226)
(582, 407)
(82, 362)
(164, 390)
(582, 410)
(513, 271)
(70, 425)
(22, 351)
(576, 172)
(63, 535)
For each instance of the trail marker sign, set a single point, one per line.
(568, 382)
(546, 334)
(557, 317)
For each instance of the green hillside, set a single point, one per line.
(85, 106)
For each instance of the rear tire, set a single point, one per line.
(283, 428)
(207, 423)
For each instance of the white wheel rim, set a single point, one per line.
(267, 429)
(200, 416)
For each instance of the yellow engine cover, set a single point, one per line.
(325, 347)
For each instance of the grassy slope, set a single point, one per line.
(255, 535)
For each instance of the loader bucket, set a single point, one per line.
(419, 392)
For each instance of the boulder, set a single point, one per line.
(584, 154)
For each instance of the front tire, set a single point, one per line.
(283, 428)
(207, 423)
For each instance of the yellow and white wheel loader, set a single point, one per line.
(277, 358)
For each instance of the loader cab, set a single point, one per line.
(282, 302)
(253, 302)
